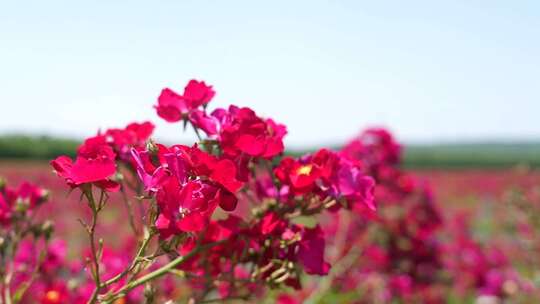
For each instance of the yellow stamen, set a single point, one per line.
(304, 170)
(120, 301)
(52, 296)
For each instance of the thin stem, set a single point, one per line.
(16, 236)
(138, 259)
(35, 272)
(159, 272)
(245, 297)
(129, 208)
(196, 131)
(8, 295)
(92, 239)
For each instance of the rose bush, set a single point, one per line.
(223, 213)
(231, 218)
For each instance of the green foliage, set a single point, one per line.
(35, 147)
(446, 156)
(474, 155)
(463, 156)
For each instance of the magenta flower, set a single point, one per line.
(173, 107)
(150, 180)
(197, 93)
(355, 186)
(242, 131)
(133, 135)
(95, 163)
(209, 124)
(311, 251)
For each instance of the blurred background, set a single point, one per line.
(457, 82)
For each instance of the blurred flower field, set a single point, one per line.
(232, 218)
(491, 199)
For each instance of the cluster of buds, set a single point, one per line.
(16, 205)
(19, 230)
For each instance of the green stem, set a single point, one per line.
(220, 300)
(24, 286)
(133, 264)
(91, 235)
(196, 131)
(159, 272)
(129, 209)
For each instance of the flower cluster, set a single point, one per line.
(20, 232)
(233, 217)
(189, 184)
(402, 257)
(402, 247)
(44, 274)
(329, 176)
(226, 214)
(19, 203)
(97, 157)
(483, 268)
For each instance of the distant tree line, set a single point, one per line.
(447, 156)
(35, 147)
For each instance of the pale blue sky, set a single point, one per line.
(429, 70)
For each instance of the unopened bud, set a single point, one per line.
(47, 228)
(290, 265)
(119, 177)
(151, 147)
(72, 284)
(44, 196)
(153, 150)
(149, 293)
(21, 205)
(2, 184)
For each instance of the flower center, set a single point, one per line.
(183, 212)
(304, 170)
(52, 296)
